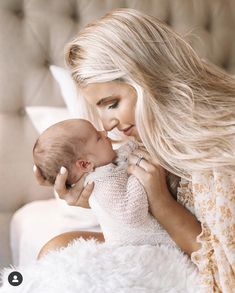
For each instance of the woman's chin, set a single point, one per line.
(135, 134)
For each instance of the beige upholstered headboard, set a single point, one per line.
(32, 36)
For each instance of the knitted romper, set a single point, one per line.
(120, 203)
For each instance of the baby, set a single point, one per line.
(118, 200)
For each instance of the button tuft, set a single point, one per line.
(19, 13)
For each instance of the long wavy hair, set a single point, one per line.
(185, 106)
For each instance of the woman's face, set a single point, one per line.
(115, 102)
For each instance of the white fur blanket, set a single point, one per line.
(87, 267)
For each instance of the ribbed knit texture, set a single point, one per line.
(121, 205)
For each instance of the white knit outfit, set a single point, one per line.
(121, 205)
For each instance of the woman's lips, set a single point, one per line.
(128, 130)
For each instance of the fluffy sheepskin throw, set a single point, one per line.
(88, 266)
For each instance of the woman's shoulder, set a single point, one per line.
(217, 176)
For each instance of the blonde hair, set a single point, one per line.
(185, 106)
(54, 149)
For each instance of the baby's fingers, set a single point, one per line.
(40, 179)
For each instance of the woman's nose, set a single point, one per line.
(110, 124)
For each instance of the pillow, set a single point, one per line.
(68, 91)
(43, 117)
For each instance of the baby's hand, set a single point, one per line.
(78, 195)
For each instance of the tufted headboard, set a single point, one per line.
(32, 36)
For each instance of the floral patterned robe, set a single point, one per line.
(211, 197)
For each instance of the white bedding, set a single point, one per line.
(39, 221)
(87, 267)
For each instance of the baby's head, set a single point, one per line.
(74, 144)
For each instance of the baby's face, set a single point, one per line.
(98, 147)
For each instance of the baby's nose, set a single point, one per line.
(104, 133)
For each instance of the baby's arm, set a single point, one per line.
(123, 197)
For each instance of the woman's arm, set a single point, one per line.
(181, 225)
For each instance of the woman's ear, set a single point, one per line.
(84, 166)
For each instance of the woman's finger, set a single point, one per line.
(60, 182)
(151, 176)
(142, 152)
(83, 200)
(40, 179)
(145, 154)
(140, 162)
(138, 172)
(71, 195)
(79, 185)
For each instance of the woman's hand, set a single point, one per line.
(181, 225)
(78, 195)
(151, 175)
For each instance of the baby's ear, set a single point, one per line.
(84, 166)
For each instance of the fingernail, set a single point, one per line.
(62, 170)
(90, 182)
(34, 168)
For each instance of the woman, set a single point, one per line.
(146, 81)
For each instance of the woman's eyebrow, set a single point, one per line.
(104, 100)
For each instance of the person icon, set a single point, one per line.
(15, 278)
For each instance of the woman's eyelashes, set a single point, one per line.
(113, 105)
